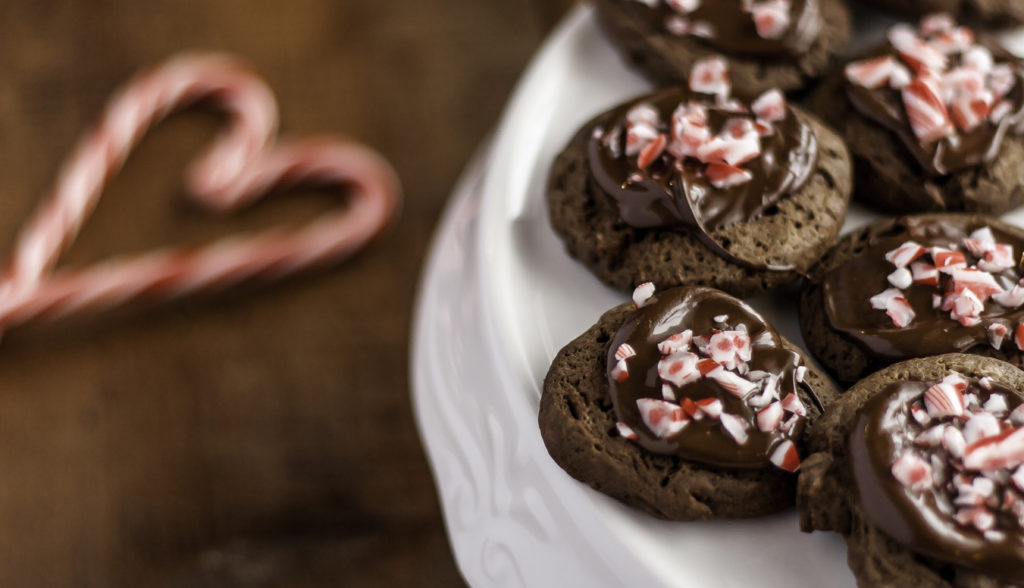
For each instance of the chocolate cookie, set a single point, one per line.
(933, 119)
(995, 12)
(918, 466)
(689, 186)
(916, 286)
(690, 407)
(769, 44)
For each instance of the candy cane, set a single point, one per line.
(240, 167)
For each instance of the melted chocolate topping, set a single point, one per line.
(924, 519)
(702, 441)
(675, 194)
(732, 30)
(959, 151)
(847, 291)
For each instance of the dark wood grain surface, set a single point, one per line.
(261, 437)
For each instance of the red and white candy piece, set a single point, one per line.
(901, 278)
(711, 76)
(903, 255)
(679, 368)
(677, 342)
(724, 176)
(642, 294)
(625, 351)
(1003, 451)
(684, 6)
(791, 403)
(730, 348)
(786, 457)
(770, 106)
(732, 382)
(928, 116)
(996, 333)
(924, 273)
(663, 418)
(770, 417)
(771, 18)
(735, 427)
(712, 407)
(895, 305)
(625, 431)
(620, 373)
(946, 398)
(912, 471)
(871, 73)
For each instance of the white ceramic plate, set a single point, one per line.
(500, 297)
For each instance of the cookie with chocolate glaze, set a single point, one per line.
(690, 407)
(689, 186)
(916, 286)
(918, 466)
(994, 12)
(769, 45)
(934, 120)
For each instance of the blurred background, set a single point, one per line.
(260, 437)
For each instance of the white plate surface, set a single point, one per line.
(500, 297)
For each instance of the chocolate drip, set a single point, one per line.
(733, 30)
(703, 441)
(675, 195)
(848, 289)
(962, 150)
(922, 520)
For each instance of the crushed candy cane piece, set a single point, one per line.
(980, 426)
(736, 428)
(663, 418)
(620, 373)
(625, 351)
(785, 456)
(903, 255)
(711, 76)
(901, 278)
(996, 403)
(871, 73)
(953, 441)
(732, 382)
(679, 368)
(928, 116)
(943, 399)
(899, 310)
(791, 403)
(723, 175)
(1012, 298)
(770, 417)
(625, 431)
(770, 106)
(652, 151)
(924, 273)
(1001, 451)
(677, 342)
(667, 393)
(642, 294)
(711, 406)
(771, 18)
(996, 333)
(912, 471)
(684, 6)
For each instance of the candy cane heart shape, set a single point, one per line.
(240, 168)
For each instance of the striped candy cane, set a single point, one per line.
(242, 166)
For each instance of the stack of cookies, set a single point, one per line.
(686, 402)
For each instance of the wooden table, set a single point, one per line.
(260, 437)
